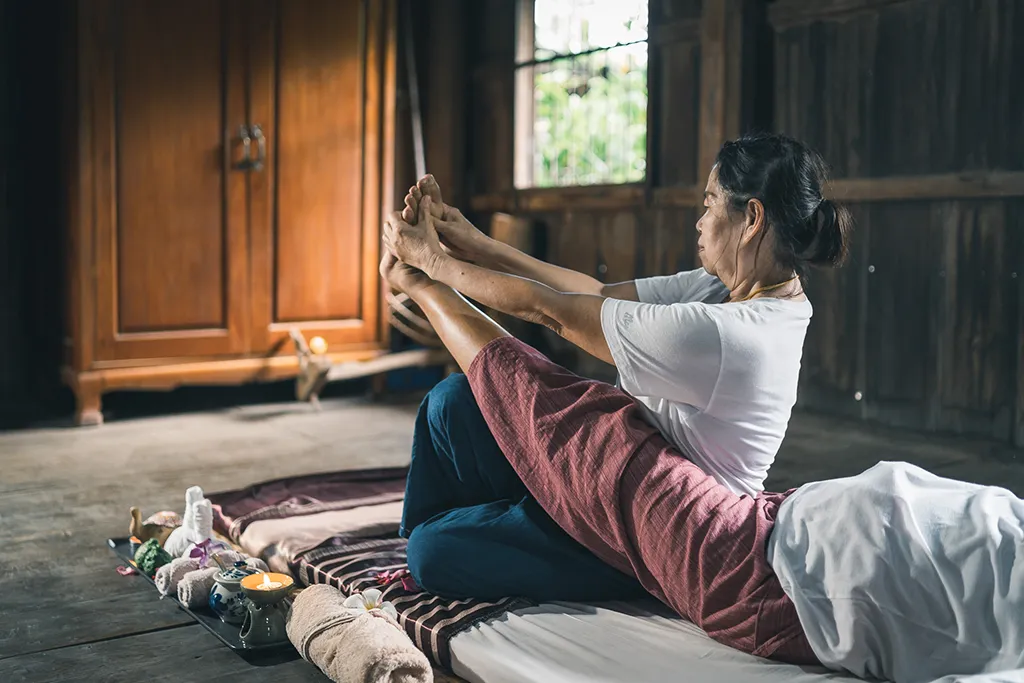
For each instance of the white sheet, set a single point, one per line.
(613, 643)
(898, 573)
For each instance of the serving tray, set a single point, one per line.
(226, 633)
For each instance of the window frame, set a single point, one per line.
(523, 150)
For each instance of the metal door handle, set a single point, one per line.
(246, 163)
(246, 134)
(261, 148)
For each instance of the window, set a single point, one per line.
(581, 92)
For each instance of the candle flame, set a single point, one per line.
(268, 584)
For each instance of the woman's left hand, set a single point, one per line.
(417, 245)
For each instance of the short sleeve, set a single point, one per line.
(684, 287)
(672, 352)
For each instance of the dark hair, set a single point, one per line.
(788, 178)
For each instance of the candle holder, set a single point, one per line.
(265, 620)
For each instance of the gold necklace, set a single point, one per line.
(767, 289)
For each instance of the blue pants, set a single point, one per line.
(473, 528)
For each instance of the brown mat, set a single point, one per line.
(353, 564)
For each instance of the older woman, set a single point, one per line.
(712, 356)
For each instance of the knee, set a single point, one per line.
(451, 396)
(429, 561)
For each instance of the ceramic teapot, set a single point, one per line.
(226, 598)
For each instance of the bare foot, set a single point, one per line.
(402, 276)
(427, 186)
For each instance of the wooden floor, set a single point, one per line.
(66, 615)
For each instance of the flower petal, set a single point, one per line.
(354, 601)
(389, 609)
(371, 597)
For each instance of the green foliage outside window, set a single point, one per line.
(590, 109)
(590, 119)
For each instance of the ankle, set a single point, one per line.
(435, 265)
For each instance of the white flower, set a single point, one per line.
(369, 600)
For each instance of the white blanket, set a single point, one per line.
(635, 642)
(902, 575)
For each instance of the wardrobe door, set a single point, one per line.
(318, 78)
(162, 91)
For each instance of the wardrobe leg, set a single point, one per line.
(89, 402)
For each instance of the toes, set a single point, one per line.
(429, 187)
(428, 184)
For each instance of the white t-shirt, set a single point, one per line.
(719, 380)
(902, 575)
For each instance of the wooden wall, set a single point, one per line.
(919, 102)
(915, 105)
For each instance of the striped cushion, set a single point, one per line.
(430, 621)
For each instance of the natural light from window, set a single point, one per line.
(581, 92)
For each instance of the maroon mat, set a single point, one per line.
(233, 511)
(355, 564)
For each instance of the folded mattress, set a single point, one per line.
(634, 642)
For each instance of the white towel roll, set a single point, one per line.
(353, 645)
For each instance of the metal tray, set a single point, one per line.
(227, 633)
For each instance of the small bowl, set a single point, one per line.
(252, 587)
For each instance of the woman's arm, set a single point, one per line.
(576, 317)
(506, 258)
(468, 243)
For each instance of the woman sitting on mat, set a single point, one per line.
(894, 573)
(712, 354)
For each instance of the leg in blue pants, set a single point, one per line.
(473, 528)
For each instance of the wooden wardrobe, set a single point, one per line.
(229, 161)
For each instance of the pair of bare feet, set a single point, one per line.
(429, 224)
(426, 187)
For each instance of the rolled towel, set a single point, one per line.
(169, 575)
(194, 588)
(353, 644)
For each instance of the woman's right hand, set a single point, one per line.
(460, 238)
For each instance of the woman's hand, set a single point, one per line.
(401, 276)
(463, 240)
(417, 245)
(459, 237)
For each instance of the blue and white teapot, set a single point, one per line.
(226, 598)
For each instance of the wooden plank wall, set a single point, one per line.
(915, 105)
(923, 329)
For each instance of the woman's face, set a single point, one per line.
(718, 232)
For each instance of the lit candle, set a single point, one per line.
(267, 582)
(268, 585)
